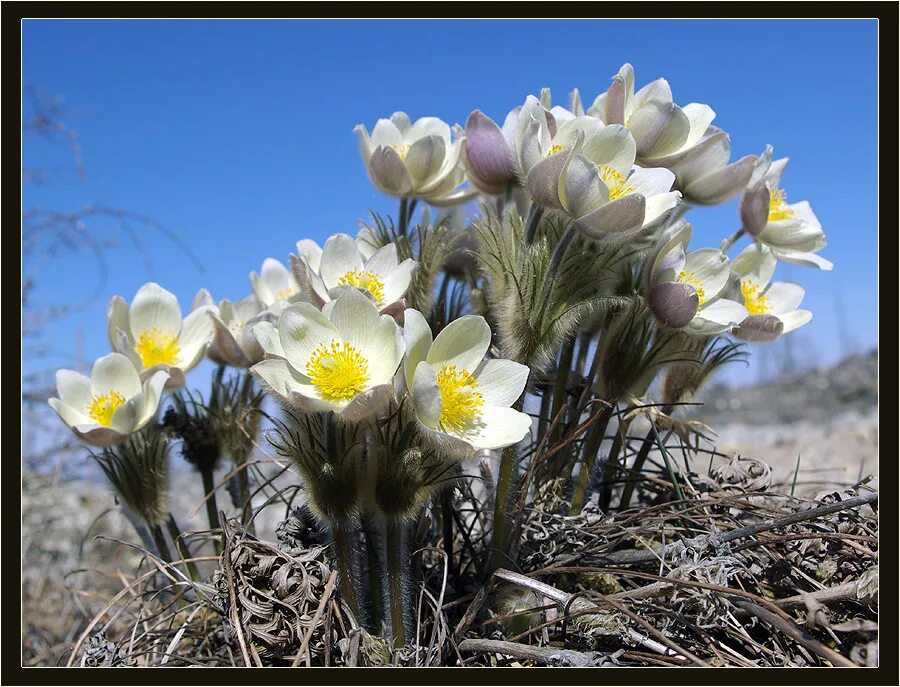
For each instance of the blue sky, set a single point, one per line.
(238, 134)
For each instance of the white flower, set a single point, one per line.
(680, 139)
(153, 335)
(105, 408)
(275, 284)
(792, 231)
(417, 160)
(684, 288)
(455, 392)
(233, 340)
(772, 306)
(343, 266)
(340, 359)
(591, 176)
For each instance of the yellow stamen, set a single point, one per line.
(338, 371)
(104, 406)
(402, 149)
(778, 207)
(755, 301)
(616, 182)
(286, 293)
(690, 279)
(461, 402)
(157, 347)
(555, 148)
(365, 280)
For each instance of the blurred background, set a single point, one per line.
(187, 152)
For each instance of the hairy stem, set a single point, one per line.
(506, 483)
(397, 572)
(212, 509)
(182, 546)
(159, 539)
(534, 219)
(347, 567)
(638, 465)
(589, 457)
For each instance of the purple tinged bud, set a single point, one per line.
(490, 161)
(673, 303)
(759, 329)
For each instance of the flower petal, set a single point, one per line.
(426, 395)
(581, 190)
(397, 281)
(463, 343)
(117, 320)
(368, 403)
(793, 320)
(543, 180)
(425, 159)
(388, 172)
(383, 260)
(617, 220)
(756, 262)
(150, 398)
(154, 308)
(311, 252)
(497, 428)
(721, 184)
(74, 389)
(501, 382)
(196, 334)
(301, 330)
(489, 160)
(115, 372)
(339, 256)
(71, 416)
(803, 259)
(710, 266)
(650, 181)
(267, 336)
(784, 297)
(659, 128)
(417, 338)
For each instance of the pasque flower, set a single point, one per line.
(772, 306)
(457, 395)
(414, 160)
(106, 407)
(343, 265)
(683, 289)
(153, 335)
(233, 341)
(342, 358)
(792, 231)
(678, 138)
(594, 180)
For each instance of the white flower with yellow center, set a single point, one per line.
(772, 306)
(414, 160)
(274, 285)
(233, 340)
(792, 231)
(106, 407)
(343, 266)
(681, 139)
(340, 359)
(456, 393)
(594, 180)
(153, 335)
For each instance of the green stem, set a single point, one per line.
(561, 383)
(397, 570)
(730, 241)
(534, 219)
(160, 540)
(212, 508)
(506, 481)
(376, 590)
(589, 456)
(553, 270)
(612, 464)
(183, 550)
(245, 498)
(638, 465)
(347, 569)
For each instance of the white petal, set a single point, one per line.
(784, 297)
(755, 262)
(356, 319)
(700, 117)
(804, 259)
(196, 334)
(651, 181)
(71, 416)
(417, 337)
(115, 372)
(154, 308)
(426, 395)
(611, 145)
(203, 298)
(126, 415)
(306, 248)
(711, 267)
(267, 336)
(277, 375)
(151, 396)
(656, 206)
(383, 260)
(427, 126)
(368, 403)
(581, 190)
(397, 281)
(463, 343)
(793, 234)
(74, 389)
(501, 382)
(117, 320)
(98, 435)
(717, 317)
(804, 212)
(339, 256)
(385, 133)
(795, 319)
(301, 330)
(497, 428)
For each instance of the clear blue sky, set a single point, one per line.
(238, 134)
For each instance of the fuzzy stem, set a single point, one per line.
(376, 590)
(212, 509)
(347, 568)
(401, 216)
(638, 465)
(447, 525)
(506, 481)
(612, 465)
(397, 571)
(534, 219)
(730, 241)
(561, 382)
(591, 449)
(553, 271)
(183, 550)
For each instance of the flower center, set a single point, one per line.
(755, 301)
(286, 293)
(691, 280)
(157, 347)
(338, 371)
(365, 280)
(555, 148)
(615, 181)
(778, 207)
(461, 402)
(104, 406)
(402, 149)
